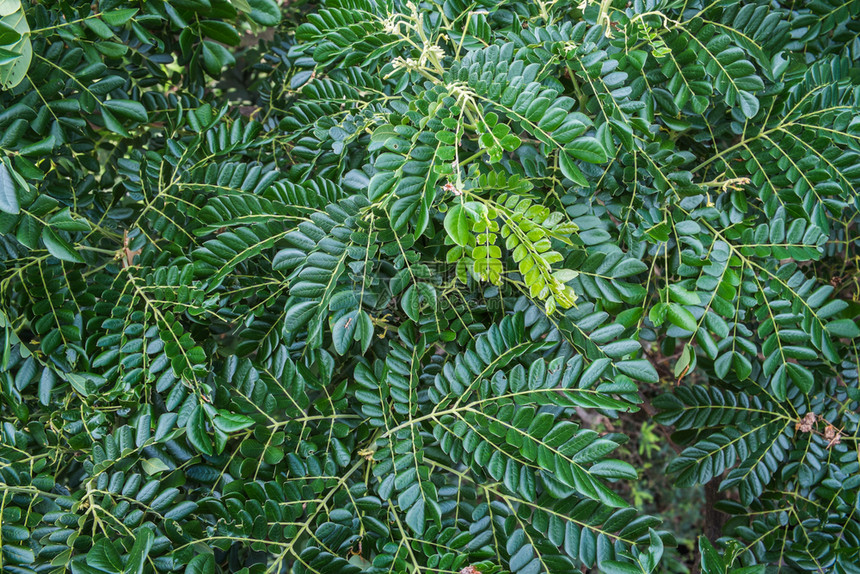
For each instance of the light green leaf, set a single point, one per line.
(685, 361)
(682, 296)
(457, 225)
(264, 12)
(9, 6)
(14, 69)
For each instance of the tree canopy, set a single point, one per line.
(373, 286)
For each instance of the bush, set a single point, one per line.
(376, 291)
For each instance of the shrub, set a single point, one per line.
(349, 300)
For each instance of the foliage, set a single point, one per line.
(353, 312)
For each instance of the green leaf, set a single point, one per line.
(615, 567)
(343, 332)
(749, 104)
(46, 385)
(59, 247)
(79, 383)
(801, 376)
(201, 564)
(221, 31)
(9, 6)
(101, 29)
(14, 67)
(457, 225)
(40, 148)
(682, 296)
(264, 12)
(658, 313)
(410, 302)
(712, 562)
(685, 361)
(104, 557)
(215, 57)
(8, 194)
(18, 554)
(415, 518)
(8, 34)
(127, 109)
(153, 466)
(364, 330)
(380, 184)
(119, 17)
(195, 430)
(655, 551)
(139, 551)
(231, 422)
(841, 328)
(587, 149)
(570, 169)
(29, 231)
(65, 221)
(639, 369)
(610, 468)
(681, 317)
(112, 124)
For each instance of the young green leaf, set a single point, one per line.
(457, 225)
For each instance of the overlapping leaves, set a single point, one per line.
(350, 300)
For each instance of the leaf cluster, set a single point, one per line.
(359, 310)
